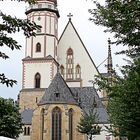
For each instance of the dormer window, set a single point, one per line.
(57, 95)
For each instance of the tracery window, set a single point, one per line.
(62, 70)
(38, 47)
(56, 124)
(71, 124)
(37, 80)
(69, 61)
(78, 71)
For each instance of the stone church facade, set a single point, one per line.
(55, 86)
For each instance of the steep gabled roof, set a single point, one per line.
(70, 23)
(58, 92)
(87, 97)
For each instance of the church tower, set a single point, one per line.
(39, 64)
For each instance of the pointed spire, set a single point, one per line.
(109, 62)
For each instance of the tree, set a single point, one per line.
(124, 105)
(121, 17)
(10, 25)
(124, 101)
(88, 124)
(10, 118)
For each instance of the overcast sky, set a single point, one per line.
(92, 36)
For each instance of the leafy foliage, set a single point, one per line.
(88, 124)
(121, 17)
(6, 81)
(10, 25)
(124, 105)
(124, 101)
(10, 119)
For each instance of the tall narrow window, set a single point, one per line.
(38, 47)
(71, 124)
(37, 80)
(78, 72)
(25, 131)
(28, 131)
(56, 124)
(62, 70)
(42, 124)
(69, 64)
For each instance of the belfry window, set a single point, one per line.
(78, 72)
(62, 70)
(37, 80)
(56, 124)
(69, 62)
(38, 47)
(71, 124)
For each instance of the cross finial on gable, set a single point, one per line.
(69, 16)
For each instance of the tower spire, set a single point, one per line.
(109, 62)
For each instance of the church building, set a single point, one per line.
(55, 80)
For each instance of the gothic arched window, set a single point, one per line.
(56, 124)
(28, 131)
(69, 62)
(78, 71)
(62, 70)
(71, 124)
(38, 47)
(37, 80)
(25, 131)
